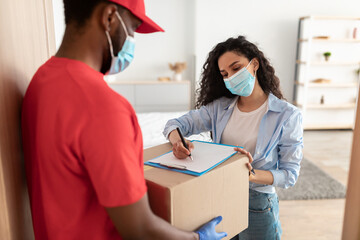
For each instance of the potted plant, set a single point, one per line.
(327, 55)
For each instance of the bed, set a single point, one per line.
(152, 125)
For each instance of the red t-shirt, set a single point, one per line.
(83, 152)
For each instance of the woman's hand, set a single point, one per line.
(178, 148)
(180, 151)
(248, 164)
(262, 176)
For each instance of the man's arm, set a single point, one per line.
(136, 221)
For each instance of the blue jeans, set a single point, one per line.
(264, 220)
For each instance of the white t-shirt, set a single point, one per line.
(243, 127)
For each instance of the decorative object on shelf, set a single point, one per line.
(355, 33)
(178, 68)
(164, 79)
(321, 37)
(327, 55)
(321, 80)
(322, 99)
(358, 73)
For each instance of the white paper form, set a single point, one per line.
(205, 155)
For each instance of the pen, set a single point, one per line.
(177, 166)
(184, 143)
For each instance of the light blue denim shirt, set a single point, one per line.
(279, 142)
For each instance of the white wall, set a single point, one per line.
(194, 27)
(271, 24)
(154, 51)
(59, 21)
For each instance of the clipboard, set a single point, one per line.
(207, 155)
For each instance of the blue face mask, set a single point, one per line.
(126, 54)
(241, 83)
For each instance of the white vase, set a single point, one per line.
(177, 77)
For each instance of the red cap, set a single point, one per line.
(137, 7)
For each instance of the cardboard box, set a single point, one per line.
(187, 202)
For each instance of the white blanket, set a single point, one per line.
(152, 125)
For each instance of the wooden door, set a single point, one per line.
(351, 227)
(26, 41)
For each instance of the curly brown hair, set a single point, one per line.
(212, 85)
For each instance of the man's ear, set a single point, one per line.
(108, 17)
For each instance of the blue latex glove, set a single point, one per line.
(207, 232)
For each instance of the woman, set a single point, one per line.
(240, 102)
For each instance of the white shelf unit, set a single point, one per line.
(330, 104)
(155, 96)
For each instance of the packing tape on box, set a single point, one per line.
(147, 167)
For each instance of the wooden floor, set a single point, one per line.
(319, 219)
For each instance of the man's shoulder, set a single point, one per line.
(76, 85)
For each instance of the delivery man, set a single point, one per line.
(82, 142)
